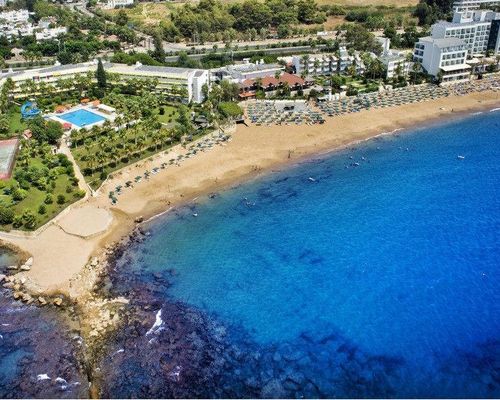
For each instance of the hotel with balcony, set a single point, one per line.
(474, 28)
(445, 57)
(464, 5)
(169, 80)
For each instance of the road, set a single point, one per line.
(169, 47)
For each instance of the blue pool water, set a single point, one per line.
(396, 260)
(81, 117)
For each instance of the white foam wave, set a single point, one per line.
(477, 113)
(119, 351)
(494, 109)
(42, 377)
(157, 326)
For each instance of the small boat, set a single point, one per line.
(311, 179)
(461, 157)
(195, 214)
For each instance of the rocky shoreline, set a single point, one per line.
(165, 348)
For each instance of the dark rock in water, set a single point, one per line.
(42, 360)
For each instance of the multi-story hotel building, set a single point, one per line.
(169, 79)
(325, 64)
(464, 5)
(473, 27)
(443, 56)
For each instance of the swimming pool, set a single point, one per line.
(81, 117)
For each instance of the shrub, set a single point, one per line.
(69, 189)
(103, 175)
(42, 209)
(61, 199)
(79, 194)
(6, 215)
(18, 221)
(162, 111)
(19, 194)
(29, 219)
(48, 199)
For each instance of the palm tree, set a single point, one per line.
(25, 88)
(91, 161)
(118, 121)
(305, 60)
(416, 68)
(317, 64)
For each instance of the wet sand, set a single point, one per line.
(61, 254)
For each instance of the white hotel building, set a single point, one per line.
(445, 55)
(470, 33)
(474, 27)
(464, 5)
(326, 64)
(169, 78)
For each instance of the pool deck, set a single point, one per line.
(57, 117)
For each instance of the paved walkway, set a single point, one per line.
(82, 183)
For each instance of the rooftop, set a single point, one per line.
(443, 42)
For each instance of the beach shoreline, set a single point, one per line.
(70, 264)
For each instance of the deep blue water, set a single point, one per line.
(397, 258)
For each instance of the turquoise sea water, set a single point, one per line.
(389, 249)
(368, 272)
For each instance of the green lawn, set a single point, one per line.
(36, 197)
(170, 114)
(16, 124)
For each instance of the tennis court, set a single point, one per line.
(8, 149)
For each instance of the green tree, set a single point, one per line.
(159, 52)
(101, 75)
(121, 18)
(184, 125)
(29, 219)
(6, 215)
(4, 125)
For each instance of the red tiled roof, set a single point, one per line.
(246, 94)
(270, 81)
(247, 83)
(291, 79)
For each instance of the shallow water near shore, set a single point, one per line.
(369, 272)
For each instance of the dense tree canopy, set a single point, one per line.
(429, 11)
(208, 17)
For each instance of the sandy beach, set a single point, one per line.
(62, 250)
